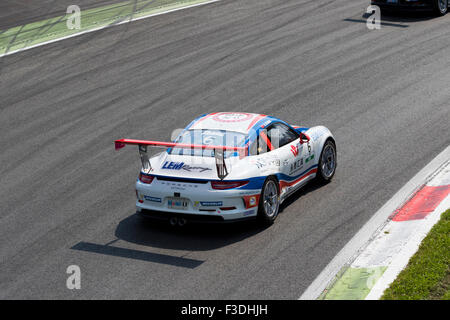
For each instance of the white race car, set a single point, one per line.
(230, 166)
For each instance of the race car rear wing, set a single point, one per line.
(219, 152)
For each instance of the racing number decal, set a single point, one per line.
(310, 156)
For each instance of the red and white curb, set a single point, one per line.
(375, 256)
(394, 245)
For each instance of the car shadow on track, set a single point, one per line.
(158, 235)
(196, 237)
(191, 237)
(310, 187)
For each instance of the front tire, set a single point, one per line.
(269, 202)
(327, 162)
(440, 7)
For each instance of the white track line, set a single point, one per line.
(107, 26)
(363, 237)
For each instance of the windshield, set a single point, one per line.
(209, 137)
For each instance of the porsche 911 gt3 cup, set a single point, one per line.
(230, 166)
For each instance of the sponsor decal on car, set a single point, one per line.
(211, 203)
(316, 135)
(296, 166)
(311, 157)
(276, 162)
(261, 162)
(294, 150)
(246, 193)
(248, 213)
(178, 184)
(153, 199)
(170, 165)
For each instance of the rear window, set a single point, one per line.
(209, 137)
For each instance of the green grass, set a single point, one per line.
(37, 32)
(427, 276)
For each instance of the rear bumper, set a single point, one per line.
(190, 218)
(419, 5)
(202, 202)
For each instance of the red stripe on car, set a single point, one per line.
(284, 184)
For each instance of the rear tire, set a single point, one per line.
(269, 201)
(440, 7)
(327, 162)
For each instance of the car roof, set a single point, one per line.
(241, 122)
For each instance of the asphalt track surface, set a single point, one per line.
(68, 198)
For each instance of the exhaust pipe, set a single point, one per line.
(182, 222)
(173, 221)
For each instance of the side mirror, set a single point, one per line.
(304, 138)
